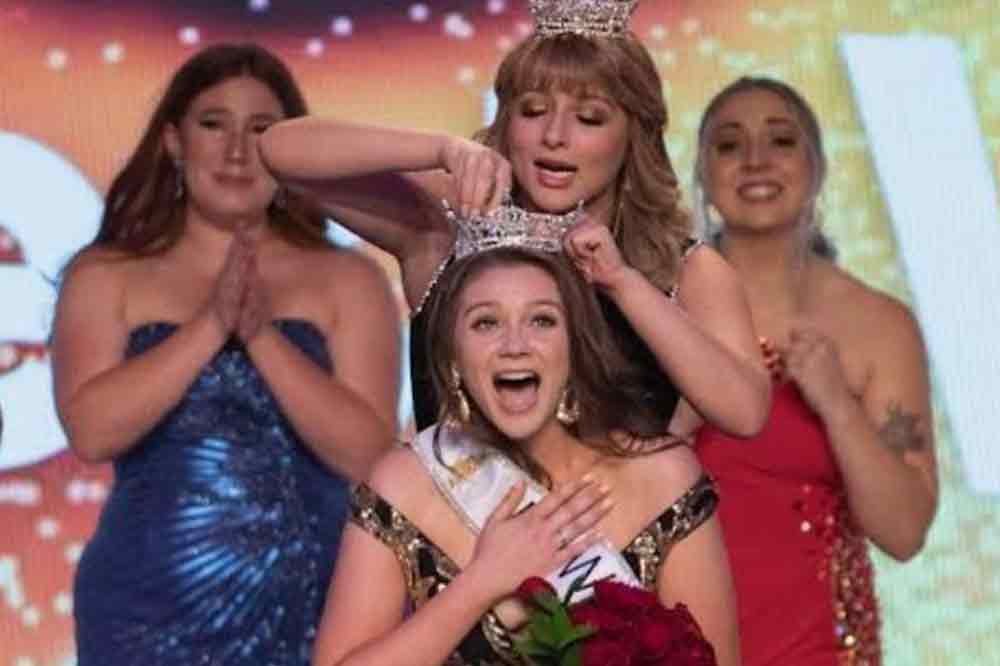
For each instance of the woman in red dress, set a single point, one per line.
(847, 455)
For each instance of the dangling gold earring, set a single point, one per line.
(568, 411)
(464, 412)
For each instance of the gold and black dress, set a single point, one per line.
(427, 570)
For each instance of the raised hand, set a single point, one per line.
(594, 252)
(482, 175)
(812, 361)
(514, 546)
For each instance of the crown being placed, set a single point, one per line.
(510, 226)
(588, 18)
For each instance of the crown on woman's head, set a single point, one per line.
(588, 18)
(510, 226)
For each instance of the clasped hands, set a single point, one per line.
(238, 300)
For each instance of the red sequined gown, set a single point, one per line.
(803, 576)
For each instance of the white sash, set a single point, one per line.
(475, 479)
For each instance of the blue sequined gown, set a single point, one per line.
(218, 538)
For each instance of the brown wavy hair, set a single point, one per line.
(602, 381)
(650, 225)
(143, 215)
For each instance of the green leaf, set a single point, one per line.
(576, 634)
(550, 603)
(545, 633)
(572, 656)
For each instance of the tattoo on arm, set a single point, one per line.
(902, 430)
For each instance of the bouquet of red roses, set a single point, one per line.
(619, 625)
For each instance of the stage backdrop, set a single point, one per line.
(908, 92)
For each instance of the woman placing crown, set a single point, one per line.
(580, 119)
(515, 484)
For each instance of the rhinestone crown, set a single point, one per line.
(510, 226)
(588, 18)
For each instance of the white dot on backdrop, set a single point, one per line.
(496, 6)
(23, 493)
(466, 74)
(96, 491)
(113, 52)
(419, 13)
(189, 35)
(342, 26)
(658, 32)
(31, 616)
(455, 25)
(259, 5)
(73, 552)
(56, 59)
(24, 661)
(63, 603)
(76, 491)
(690, 26)
(47, 528)
(315, 47)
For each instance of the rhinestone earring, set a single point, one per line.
(568, 411)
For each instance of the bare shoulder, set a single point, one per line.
(703, 260)
(704, 270)
(99, 263)
(665, 475)
(400, 478)
(878, 317)
(345, 269)
(97, 271)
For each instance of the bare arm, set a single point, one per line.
(106, 403)
(704, 341)
(696, 573)
(348, 418)
(386, 185)
(363, 620)
(884, 439)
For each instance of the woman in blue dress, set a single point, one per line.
(237, 370)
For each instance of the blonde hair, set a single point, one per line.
(809, 124)
(649, 224)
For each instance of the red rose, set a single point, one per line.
(532, 588)
(624, 598)
(600, 651)
(604, 620)
(635, 629)
(654, 635)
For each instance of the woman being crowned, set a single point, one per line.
(544, 463)
(580, 122)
